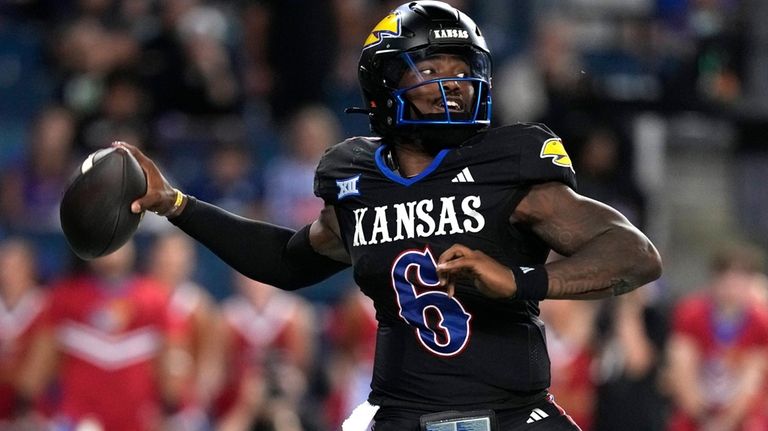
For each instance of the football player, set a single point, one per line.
(447, 224)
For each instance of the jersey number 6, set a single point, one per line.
(442, 324)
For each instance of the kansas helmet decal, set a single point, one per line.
(388, 27)
(554, 148)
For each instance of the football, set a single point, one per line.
(95, 209)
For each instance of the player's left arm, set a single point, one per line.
(605, 254)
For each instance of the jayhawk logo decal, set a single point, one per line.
(554, 148)
(388, 27)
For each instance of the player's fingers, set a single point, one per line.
(454, 271)
(137, 206)
(153, 201)
(443, 277)
(159, 196)
(149, 201)
(154, 177)
(458, 266)
(442, 280)
(450, 254)
(135, 152)
(453, 252)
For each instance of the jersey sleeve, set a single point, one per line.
(326, 172)
(339, 167)
(543, 156)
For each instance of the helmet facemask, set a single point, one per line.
(426, 99)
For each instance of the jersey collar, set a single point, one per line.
(394, 176)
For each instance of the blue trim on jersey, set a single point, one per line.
(406, 181)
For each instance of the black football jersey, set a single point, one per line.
(432, 350)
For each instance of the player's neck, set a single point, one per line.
(412, 160)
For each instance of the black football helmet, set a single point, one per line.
(413, 32)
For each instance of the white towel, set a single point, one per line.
(361, 417)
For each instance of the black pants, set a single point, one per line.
(542, 416)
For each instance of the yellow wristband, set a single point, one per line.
(176, 204)
(179, 199)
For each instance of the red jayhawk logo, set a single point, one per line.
(388, 27)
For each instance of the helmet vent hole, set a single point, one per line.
(419, 9)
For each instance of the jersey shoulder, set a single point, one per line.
(532, 152)
(344, 162)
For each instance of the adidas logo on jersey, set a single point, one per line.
(536, 415)
(463, 177)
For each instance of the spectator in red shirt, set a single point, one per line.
(103, 338)
(717, 350)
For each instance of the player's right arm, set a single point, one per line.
(271, 254)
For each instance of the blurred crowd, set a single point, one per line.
(130, 342)
(237, 100)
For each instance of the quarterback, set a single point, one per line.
(447, 224)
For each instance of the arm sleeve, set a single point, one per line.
(271, 254)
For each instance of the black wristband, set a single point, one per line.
(532, 282)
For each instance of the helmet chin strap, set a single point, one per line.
(391, 160)
(356, 110)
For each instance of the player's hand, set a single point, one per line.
(488, 275)
(160, 195)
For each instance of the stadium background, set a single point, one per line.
(661, 104)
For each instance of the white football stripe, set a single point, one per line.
(87, 164)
